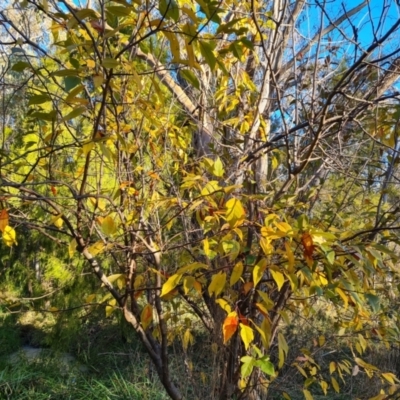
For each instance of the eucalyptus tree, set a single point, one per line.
(232, 162)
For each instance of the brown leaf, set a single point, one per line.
(3, 219)
(306, 240)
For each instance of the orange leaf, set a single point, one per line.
(247, 287)
(3, 219)
(230, 325)
(53, 190)
(306, 240)
(146, 316)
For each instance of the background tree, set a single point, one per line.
(229, 162)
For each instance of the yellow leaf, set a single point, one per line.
(224, 305)
(263, 335)
(266, 245)
(3, 219)
(217, 284)
(290, 257)
(170, 285)
(236, 273)
(335, 385)
(96, 248)
(307, 395)
(188, 282)
(247, 335)
(332, 367)
(279, 278)
(230, 325)
(108, 226)
(364, 364)
(57, 221)
(119, 279)
(283, 227)
(72, 247)
(9, 236)
(91, 298)
(87, 147)
(218, 168)
(110, 308)
(283, 349)
(90, 63)
(258, 271)
(234, 212)
(268, 302)
(146, 316)
(206, 247)
(187, 339)
(324, 387)
(343, 296)
(321, 340)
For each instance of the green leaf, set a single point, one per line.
(49, 116)
(247, 367)
(20, 66)
(110, 63)
(190, 77)
(169, 9)
(265, 365)
(70, 82)
(373, 301)
(207, 51)
(74, 113)
(119, 11)
(65, 72)
(39, 99)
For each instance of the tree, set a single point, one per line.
(227, 160)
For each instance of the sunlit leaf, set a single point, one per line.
(258, 271)
(96, 248)
(170, 284)
(72, 247)
(217, 284)
(236, 273)
(279, 278)
(247, 335)
(247, 367)
(9, 236)
(57, 221)
(224, 305)
(218, 168)
(108, 226)
(235, 213)
(230, 325)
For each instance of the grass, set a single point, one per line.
(117, 367)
